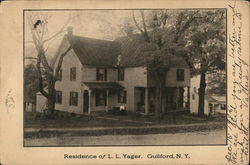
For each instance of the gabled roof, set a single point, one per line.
(94, 51)
(216, 98)
(135, 51)
(130, 51)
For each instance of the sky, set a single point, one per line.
(100, 24)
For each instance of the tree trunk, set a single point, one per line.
(158, 103)
(202, 93)
(51, 98)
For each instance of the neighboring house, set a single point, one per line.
(29, 104)
(99, 75)
(213, 103)
(41, 102)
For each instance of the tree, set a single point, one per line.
(206, 45)
(217, 83)
(198, 36)
(30, 82)
(47, 74)
(164, 31)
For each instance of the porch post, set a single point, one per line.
(146, 100)
(89, 102)
(107, 100)
(177, 97)
(188, 98)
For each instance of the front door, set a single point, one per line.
(85, 101)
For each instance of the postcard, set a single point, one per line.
(124, 82)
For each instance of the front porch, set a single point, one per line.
(175, 99)
(100, 96)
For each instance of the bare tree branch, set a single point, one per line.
(60, 62)
(41, 86)
(53, 36)
(61, 30)
(144, 27)
(136, 23)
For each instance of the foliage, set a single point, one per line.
(217, 83)
(30, 82)
(206, 40)
(198, 36)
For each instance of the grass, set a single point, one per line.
(82, 121)
(108, 120)
(79, 121)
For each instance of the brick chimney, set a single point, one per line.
(70, 30)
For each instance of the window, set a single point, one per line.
(120, 75)
(101, 74)
(170, 98)
(122, 97)
(73, 98)
(100, 99)
(59, 97)
(73, 74)
(193, 96)
(194, 89)
(180, 74)
(223, 106)
(60, 75)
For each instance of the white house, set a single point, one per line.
(100, 75)
(213, 103)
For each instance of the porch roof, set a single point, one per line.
(103, 85)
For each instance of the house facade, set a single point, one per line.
(212, 103)
(96, 76)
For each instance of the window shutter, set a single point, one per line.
(76, 101)
(97, 98)
(97, 74)
(105, 74)
(74, 74)
(125, 97)
(70, 96)
(183, 75)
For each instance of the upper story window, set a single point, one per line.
(122, 97)
(180, 74)
(59, 97)
(59, 75)
(73, 74)
(120, 74)
(223, 106)
(193, 96)
(73, 98)
(101, 74)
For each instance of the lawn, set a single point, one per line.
(115, 125)
(108, 120)
(79, 121)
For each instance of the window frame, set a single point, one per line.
(180, 74)
(73, 102)
(122, 99)
(193, 96)
(59, 78)
(99, 102)
(98, 74)
(73, 74)
(120, 75)
(58, 98)
(223, 106)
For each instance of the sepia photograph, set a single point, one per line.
(124, 77)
